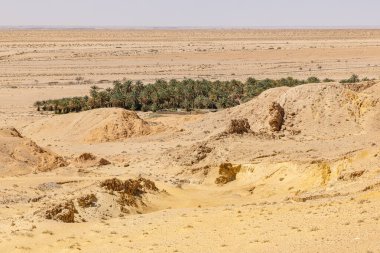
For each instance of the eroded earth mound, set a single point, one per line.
(93, 126)
(19, 155)
(119, 198)
(89, 160)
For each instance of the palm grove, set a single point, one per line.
(187, 94)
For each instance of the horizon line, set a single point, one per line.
(68, 27)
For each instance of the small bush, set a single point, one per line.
(328, 80)
(313, 79)
(353, 79)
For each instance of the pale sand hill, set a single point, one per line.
(317, 110)
(98, 125)
(19, 155)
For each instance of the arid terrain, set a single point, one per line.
(295, 169)
(41, 57)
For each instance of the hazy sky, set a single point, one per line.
(215, 13)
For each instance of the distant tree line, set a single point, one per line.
(187, 94)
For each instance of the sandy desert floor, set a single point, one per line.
(41, 57)
(313, 186)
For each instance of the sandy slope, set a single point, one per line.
(19, 155)
(101, 125)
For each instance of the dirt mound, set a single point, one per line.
(358, 87)
(227, 173)
(9, 132)
(86, 157)
(238, 126)
(90, 160)
(124, 124)
(130, 191)
(93, 126)
(195, 154)
(325, 111)
(19, 155)
(130, 186)
(111, 198)
(315, 111)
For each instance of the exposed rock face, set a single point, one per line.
(103, 162)
(351, 176)
(90, 160)
(201, 152)
(276, 119)
(239, 126)
(358, 87)
(88, 200)
(113, 184)
(86, 157)
(227, 173)
(195, 154)
(129, 196)
(130, 191)
(64, 212)
(130, 186)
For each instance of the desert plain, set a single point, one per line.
(111, 180)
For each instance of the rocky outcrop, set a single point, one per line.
(130, 191)
(90, 160)
(238, 126)
(88, 200)
(117, 198)
(351, 175)
(276, 119)
(131, 186)
(64, 212)
(227, 173)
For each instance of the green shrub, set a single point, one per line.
(353, 79)
(313, 79)
(328, 80)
